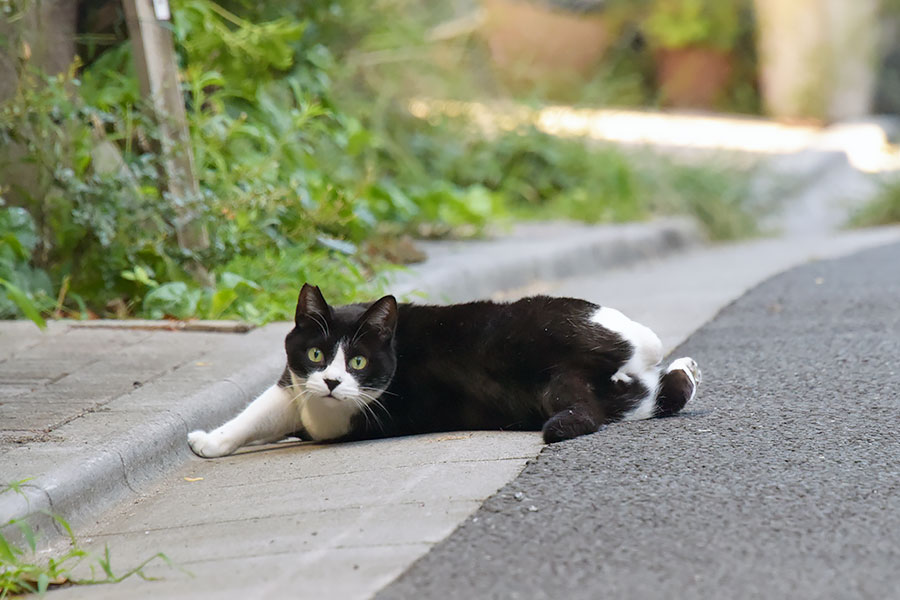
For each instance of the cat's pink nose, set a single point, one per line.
(332, 383)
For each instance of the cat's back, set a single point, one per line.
(476, 327)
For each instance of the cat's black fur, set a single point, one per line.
(529, 365)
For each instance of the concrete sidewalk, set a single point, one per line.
(89, 416)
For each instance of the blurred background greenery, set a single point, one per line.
(311, 165)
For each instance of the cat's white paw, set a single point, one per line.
(621, 377)
(210, 445)
(689, 366)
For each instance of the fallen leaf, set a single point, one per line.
(192, 479)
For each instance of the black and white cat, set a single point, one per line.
(560, 365)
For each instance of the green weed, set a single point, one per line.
(21, 574)
(884, 209)
(719, 198)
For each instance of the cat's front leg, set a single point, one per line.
(267, 419)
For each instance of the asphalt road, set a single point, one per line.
(782, 479)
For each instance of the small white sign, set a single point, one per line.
(161, 8)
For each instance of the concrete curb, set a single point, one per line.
(465, 271)
(100, 474)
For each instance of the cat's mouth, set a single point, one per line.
(330, 397)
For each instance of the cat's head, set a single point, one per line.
(343, 354)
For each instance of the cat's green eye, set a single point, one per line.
(358, 362)
(315, 355)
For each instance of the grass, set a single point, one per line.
(615, 188)
(719, 198)
(536, 175)
(21, 573)
(884, 209)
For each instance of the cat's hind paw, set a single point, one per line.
(689, 366)
(678, 386)
(210, 445)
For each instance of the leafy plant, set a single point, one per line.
(681, 23)
(18, 239)
(20, 574)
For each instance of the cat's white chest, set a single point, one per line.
(326, 418)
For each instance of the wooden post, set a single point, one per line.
(154, 56)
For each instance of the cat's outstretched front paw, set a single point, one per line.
(210, 445)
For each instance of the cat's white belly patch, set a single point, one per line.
(648, 349)
(644, 362)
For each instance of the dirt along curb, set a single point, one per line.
(108, 456)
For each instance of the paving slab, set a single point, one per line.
(308, 513)
(97, 429)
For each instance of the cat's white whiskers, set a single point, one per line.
(367, 406)
(319, 320)
(378, 391)
(362, 408)
(299, 396)
(356, 335)
(373, 400)
(365, 410)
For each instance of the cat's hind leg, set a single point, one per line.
(572, 407)
(269, 418)
(646, 347)
(657, 393)
(677, 386)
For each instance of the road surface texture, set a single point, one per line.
(781, 480)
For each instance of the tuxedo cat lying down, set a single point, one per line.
(560, 365)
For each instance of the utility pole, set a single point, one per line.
(157, 70)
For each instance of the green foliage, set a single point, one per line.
(86, 147)
(22, 287)
(304, 151)
(718, 198)
(681, 23)
(884, 209)
(20, 573)
(82, 205)
(530, 173)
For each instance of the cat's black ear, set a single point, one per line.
(311, 304)
(381, 317)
